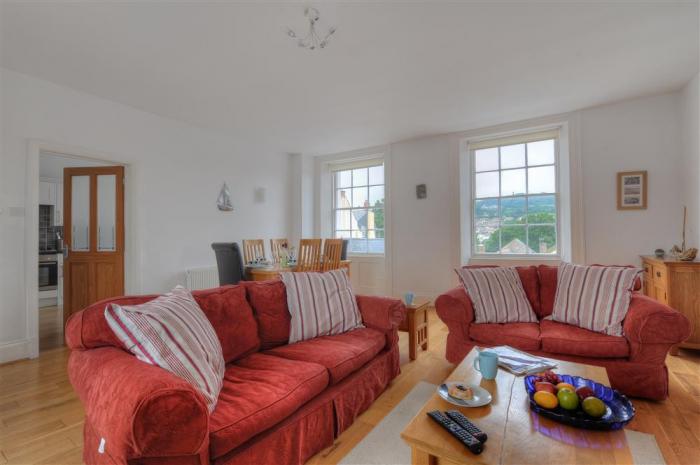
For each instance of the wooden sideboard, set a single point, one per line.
(676, 284)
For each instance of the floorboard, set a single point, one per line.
(41, 418)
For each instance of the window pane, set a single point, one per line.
(343, 178)
(106, 212)
(543, 239)
(342, 234)
(359, 221)
(541, 180)
(486, 208)
(342, 198)
(375, 241)
(513, 156)
(80, 207)
(487, 185)
(513, 210)
(376, 218)
(513, 240)
(512, 182)
(359, 177)
(379, 233)
(540, 153)
(542, 209)
(486, 159)
(376, 174)
(343, 220)
(486, 235)
(358, 246)
(376, 195)
(359, 197)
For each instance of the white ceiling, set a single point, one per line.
(394, 70)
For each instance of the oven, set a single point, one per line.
(48, 272)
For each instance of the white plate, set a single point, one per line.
(481, 395)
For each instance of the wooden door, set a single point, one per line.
(93, 205)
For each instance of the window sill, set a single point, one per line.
(502, 259)
(365, 255)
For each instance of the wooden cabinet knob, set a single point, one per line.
(658, 274)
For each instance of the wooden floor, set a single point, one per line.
(50, 334)
(41, 418)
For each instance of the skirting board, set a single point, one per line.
(15, 350)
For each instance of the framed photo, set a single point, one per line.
(632, 190)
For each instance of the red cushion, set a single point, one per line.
(560, 338)
(226, 308)
(341, 354)
(548, 288)
(260, 391)
(269, 302)
(524, 336)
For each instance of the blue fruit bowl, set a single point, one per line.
(619, 410)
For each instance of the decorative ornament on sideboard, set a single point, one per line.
(311, 40)
(681, 253)
(223, 202)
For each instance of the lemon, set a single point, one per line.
(546, 399)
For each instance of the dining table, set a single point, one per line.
(273, 270)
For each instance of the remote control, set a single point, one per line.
(474, 445)
(464, 422)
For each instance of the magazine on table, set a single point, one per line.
(519, 362)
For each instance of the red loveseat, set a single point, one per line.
(280, 403)
(636, 363)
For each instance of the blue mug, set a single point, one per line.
(487, 364)
(408, 298)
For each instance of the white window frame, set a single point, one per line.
(351, 165)
(565, 215)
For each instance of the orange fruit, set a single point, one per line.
(545, 399)
(568, 386)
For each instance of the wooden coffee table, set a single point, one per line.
(516, 435)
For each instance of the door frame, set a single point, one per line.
(31, 226)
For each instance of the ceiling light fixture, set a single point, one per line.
(312, 40)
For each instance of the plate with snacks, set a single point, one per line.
(464, 395)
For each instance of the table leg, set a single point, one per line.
(420, 457)
(412, 336)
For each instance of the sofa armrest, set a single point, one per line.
(140, 410)
(652, 328)
(649, 321)
(455, 307)
(381, 313)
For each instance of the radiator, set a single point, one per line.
(202, 278)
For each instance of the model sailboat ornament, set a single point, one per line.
(223, 203)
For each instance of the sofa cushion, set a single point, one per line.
(260, 391)
(269, 302)
(560, 338)
(524, 336)
(548, 288)
(341, 355)
(225, 307)
(530, 281)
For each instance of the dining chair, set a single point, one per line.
(228, 262)
(309, 258)
(253, 249)
(276, 247)
(332, 249)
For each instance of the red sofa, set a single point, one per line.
(636, 363)
(280, 403)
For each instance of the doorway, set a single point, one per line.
(81, 238)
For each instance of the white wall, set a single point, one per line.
(174, 174)
(639, 134)
(690, 132)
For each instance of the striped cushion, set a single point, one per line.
(497, 295)
(172, 332)
(320, 304)
(594, 297)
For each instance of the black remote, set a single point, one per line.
(461, 420)
(474, 445)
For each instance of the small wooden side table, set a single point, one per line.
(416, 324)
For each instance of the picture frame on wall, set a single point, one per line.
(632, 190)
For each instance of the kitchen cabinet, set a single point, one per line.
(47, 193)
